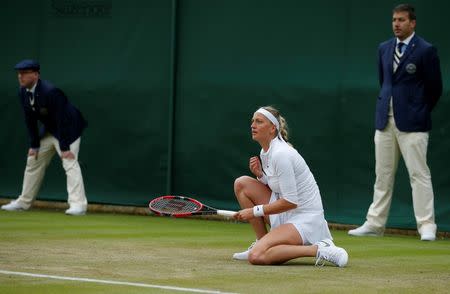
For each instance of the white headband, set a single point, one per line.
(270, 117)
(273, 119)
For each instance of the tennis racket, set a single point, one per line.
(180, 206)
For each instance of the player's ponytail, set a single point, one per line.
(283, 124)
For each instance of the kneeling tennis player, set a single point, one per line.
(286, 196)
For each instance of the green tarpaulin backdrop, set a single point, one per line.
(169, 88)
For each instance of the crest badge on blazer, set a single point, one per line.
(411, 68)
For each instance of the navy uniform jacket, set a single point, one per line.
(415, 87)
(54, 111)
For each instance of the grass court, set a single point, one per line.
(195, 256)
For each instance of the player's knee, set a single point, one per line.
(257, 257)
(240, 184)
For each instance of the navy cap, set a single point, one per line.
(28, 64)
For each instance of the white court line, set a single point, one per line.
(111, 282)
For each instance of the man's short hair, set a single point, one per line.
(406, 8)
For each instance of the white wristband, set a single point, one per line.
(258, 210)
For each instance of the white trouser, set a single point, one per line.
(390, 143)
(35, 171)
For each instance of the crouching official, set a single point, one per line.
(61, 126)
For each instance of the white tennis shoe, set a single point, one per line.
(14, 206)
(76, 210)
(244, 255)
(428, 236)
(366, 230)
(428, 232)
(327, 251)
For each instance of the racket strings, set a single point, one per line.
(175, 206)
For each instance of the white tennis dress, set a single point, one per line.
(289, 177)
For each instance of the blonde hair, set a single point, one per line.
(283, 124)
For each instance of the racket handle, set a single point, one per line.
(227, 213)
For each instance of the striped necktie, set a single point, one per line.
(398, 53)
(31, 99)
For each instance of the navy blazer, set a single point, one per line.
(53, 109)
(415, 87)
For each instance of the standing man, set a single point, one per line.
(411, 84)
(62, 125)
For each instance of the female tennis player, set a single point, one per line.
(285, 195)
